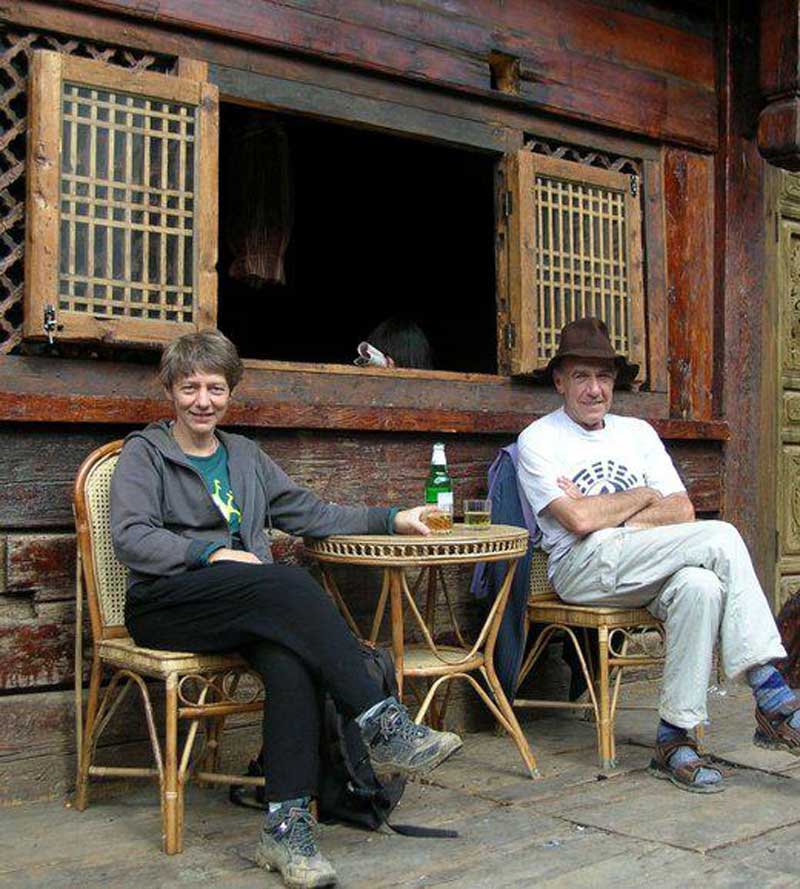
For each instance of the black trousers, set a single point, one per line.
(286, 627)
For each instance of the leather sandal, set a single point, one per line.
(774, 732)
(684, 775)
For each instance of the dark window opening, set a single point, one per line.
(382, 226)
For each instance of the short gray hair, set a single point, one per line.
(209, 351)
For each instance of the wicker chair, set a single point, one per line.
(198, 688)
(626, 637)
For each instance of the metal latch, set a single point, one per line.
(634, 185)
(51, 325)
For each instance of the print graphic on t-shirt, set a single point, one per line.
(605, 477)
(226, 507)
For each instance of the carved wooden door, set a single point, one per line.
(787, 574)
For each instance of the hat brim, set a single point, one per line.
(626, 370)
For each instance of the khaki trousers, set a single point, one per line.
(696, 577)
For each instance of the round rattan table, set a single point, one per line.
(439, 663)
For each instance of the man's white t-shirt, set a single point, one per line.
(625, 453)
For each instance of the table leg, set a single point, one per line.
(332, 589)
(395, 576)
(377, 619)
(514, 728)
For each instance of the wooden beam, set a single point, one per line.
(577, 64)
(779, 80)
(689, 194)
(53, 390)
(333, 104)
(744, 330)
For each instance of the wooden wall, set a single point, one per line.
(619, 75)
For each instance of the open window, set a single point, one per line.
(373, 225)
(575, 249)
(121, 238)
(122, 230)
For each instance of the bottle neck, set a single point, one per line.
(438, 458)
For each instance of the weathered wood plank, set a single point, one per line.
(779, 56)
(38, 651)
(664, 108)
(278, 26)
(699, 465)
(745, 327)
(41, 565)
(39, 463)
(635, 37)
(142, 34)
(689, 198)
(674, 89)
(37, 471)
(656, 274)
(409, 401)
(323, 101)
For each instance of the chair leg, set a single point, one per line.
(85, 758)
(606, 727)
(211, 755)
(172, 797)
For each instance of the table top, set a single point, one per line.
(463, 545)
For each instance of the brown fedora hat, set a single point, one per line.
(588, 338)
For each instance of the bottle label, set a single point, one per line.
(444, 500)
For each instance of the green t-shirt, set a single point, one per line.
(214, 470)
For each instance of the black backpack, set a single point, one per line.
(348, 789)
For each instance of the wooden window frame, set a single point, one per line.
(49, 71)
(522, 341)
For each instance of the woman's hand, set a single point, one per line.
(409, 521)
(233, 555)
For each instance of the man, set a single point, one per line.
(619, 530)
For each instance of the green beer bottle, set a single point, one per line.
(439, 487)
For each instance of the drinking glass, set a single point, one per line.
(477, 514)
(440, 521)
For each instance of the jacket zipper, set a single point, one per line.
(196, 471)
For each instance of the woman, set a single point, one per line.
(189, 505)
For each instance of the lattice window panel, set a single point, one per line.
(121, 235)
(15, 53)
(581, 260)
(576, 250)
(127, 205)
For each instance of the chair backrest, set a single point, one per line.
(540, 586)
(105, 578)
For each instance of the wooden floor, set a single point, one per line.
(572, 828)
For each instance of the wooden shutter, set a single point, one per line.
(121, 237)
(575, 249)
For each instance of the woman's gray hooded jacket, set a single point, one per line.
(163, 517)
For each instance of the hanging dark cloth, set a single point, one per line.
(259, 212)
(510, 507)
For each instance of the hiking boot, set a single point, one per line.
(398, 746)
(291, 848)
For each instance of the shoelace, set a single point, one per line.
(297, 831)
(395, 721)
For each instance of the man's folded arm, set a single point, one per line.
(670, 510)
(584, 515)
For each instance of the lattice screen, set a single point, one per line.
(587, 156)
(575, 249)
(127, 205)
(581, 260)
(15, 48)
